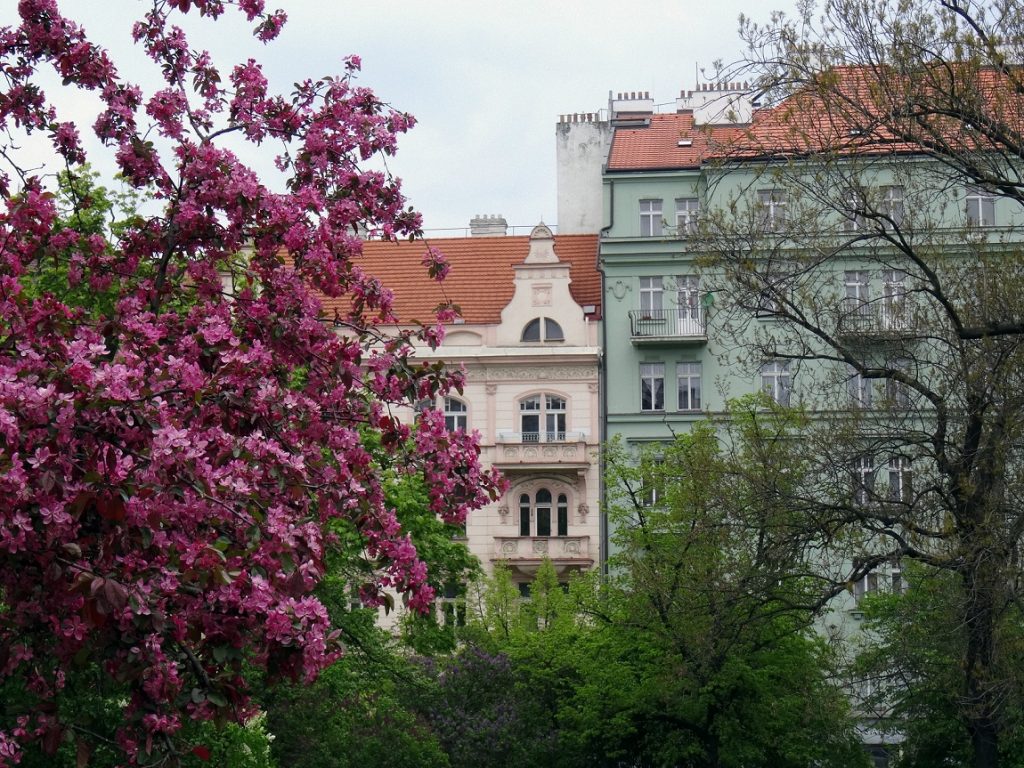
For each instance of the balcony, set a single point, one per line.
(525, 553)
(874, 319)
(531, 451)
(657, 326)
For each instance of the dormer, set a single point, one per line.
(542, 311)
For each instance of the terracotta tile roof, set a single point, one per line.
(656, 147)
(481, 277)
(861, 111)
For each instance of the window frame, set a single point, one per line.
(857, 289)
(687, 215)
(777, 381)
(652, 293)
(689, 372)
(543, 509)
(985, 203)
(892, 203)
(551, 413)
(655, 373)
(773, 203)
(545, 327)
(651, 217)
(456, 414)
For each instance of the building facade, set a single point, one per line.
(527, 339)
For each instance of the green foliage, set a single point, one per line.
(908, 667)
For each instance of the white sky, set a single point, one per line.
(486, 81)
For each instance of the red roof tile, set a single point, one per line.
(656, 147)
(481, 278)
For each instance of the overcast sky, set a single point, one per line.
(486, 81)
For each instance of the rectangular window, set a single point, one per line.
(863, 479)
(529, 412)
(554, 418)
(688, 377)
(897, 393)
(857, 299)
(899, 478)
(981, 207)
(859, 389)
(892, 203)
(652, 386)
(773, 206)
(689, 320)
(853, 220)
(776, 382)
(894, 300)
(650, 293)
(687, 213)
(650, 218)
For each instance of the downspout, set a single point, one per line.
(602, 386)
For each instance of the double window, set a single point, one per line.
(542, 418)
(776, 381)
(652, 386)
(687, 213)
(536, 513)
(898, 474)
(981, 207)
(650, 218)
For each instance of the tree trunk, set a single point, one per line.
(980, 699)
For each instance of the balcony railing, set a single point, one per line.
(558, 549)
(680, 324)
(876, 318)
(541, 437)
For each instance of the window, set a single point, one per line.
(866, 585)
(856, 285)
(981, 207)
(542, 418)
(892, 204)
(652, 386)
(455, 415)
(853, 220)
(885, 577)
(897, 394)
(773, 292)
(650, 293)
(894, 299)
(688, 379)
(453, 605)
(773, 207)
(650, 218)
(687, 213)
(535, 514)
(689, 321)
(899, 478)
(776, 382)
(863, 479)
(859, 389)
(543, 329)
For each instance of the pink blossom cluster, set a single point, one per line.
(170, 469)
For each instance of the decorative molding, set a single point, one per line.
(533, 372)
(582, 510)
(503, 510)
(542, 295)
(491, 389)
(540, 546)
(619, 289)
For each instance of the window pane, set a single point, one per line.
(563, 515)
(532, 331)
(524, 515)
(552, 331)
(688, 378)
(652, 386)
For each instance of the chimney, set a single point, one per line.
(488, 226)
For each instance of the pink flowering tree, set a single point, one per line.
(175, 460)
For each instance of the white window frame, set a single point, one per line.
(900, 478)
(773, 203)
(857, 285)
(550, 411)
(651, 222)
(688, 386)
(980, 207)
(652, 293)
(456, 414)
(860, 389)
(894, 299)
(863, 479)
(687, 215)
(853, 220)
(777, 381)
(652, 377)
(546, 331)
(892, 203)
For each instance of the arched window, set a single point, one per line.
(542, 419)
(455, 414)
(543, 329)
(536, 513)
